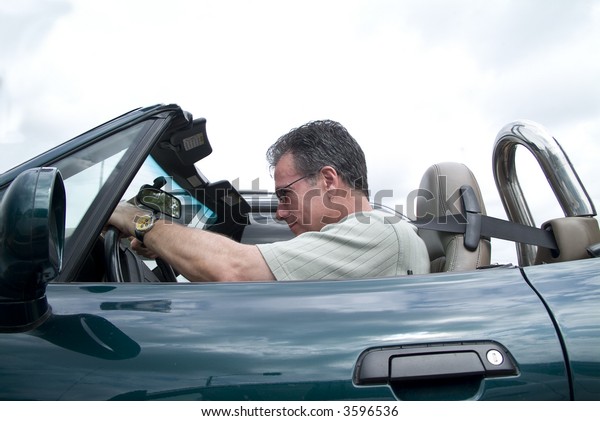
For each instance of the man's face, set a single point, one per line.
(300, 197)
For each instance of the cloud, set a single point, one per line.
(26, 23)
(415, 82)
(498, 33)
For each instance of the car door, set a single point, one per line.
(290, 340)
(571, 291)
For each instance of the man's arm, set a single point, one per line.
(196, 254)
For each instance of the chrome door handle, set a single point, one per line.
(433, 361)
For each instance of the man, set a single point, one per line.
(321, 182)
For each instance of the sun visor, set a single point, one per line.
(191, 144)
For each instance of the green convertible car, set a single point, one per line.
(82, 317)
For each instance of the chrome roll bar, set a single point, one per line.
(562, 177)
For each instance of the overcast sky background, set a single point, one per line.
(415, 82)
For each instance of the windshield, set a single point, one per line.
(86, 171)
(194, 213)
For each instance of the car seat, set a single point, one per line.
(441, 196)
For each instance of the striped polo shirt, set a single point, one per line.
(362, 245)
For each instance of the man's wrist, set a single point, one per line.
(143, 224)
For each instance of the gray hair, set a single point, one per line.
(321, 143)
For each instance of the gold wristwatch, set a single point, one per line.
(143, 224)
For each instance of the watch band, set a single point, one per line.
(139, 235)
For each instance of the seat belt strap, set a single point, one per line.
(474, 226)
(490, 228)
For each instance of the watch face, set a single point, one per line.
(143, 222)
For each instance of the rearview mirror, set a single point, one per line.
(160, 201)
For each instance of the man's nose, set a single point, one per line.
(281, 213)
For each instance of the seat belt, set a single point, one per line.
(474, 226)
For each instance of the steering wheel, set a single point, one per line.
(112, 255)
(113, 263)
(152, 197)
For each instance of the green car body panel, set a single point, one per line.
(289, 341)
(572, 291)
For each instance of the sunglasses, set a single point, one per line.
(281, 192)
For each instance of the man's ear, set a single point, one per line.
(331, 177)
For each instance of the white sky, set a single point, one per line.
(415, 82)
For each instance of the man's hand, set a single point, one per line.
(142, 250)
(123, 218)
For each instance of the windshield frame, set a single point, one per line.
(92, 222)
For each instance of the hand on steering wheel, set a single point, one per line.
(142, 250)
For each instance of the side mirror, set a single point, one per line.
(32, 236)
(160, 201)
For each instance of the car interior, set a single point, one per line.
(450, 211)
